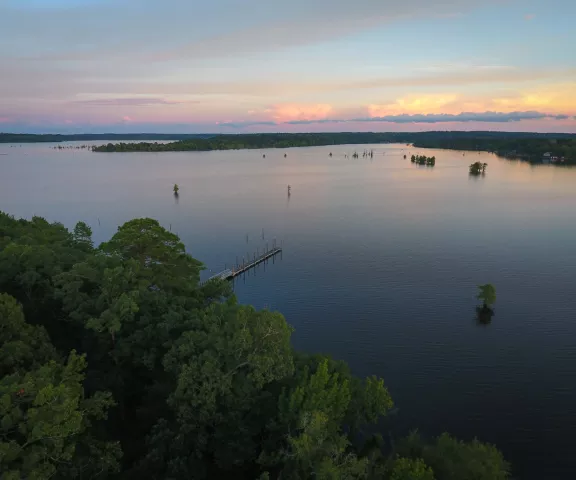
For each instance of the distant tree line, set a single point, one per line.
(253, 141)
(527, 146)
(531, 148)
(116, 362)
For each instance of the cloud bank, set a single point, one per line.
(128, 102)
(488, 117)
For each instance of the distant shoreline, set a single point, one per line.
(555, 148)
(55, 138)
(534, 148)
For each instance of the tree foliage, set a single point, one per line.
(45, 418)
(478, 168)
(487, 294)
(410, 469)
(452, 459)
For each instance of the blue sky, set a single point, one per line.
(303, 65)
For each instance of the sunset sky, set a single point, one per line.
(234, 66)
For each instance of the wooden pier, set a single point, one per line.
(246, 265)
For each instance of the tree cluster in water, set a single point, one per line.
(423, 160)
(478, 168)
(117, 362)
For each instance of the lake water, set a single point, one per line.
(379, 268)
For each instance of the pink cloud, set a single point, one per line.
(529, 16)
(292, 111)
(130, 102)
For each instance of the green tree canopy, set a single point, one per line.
(487, 294)
(22, 346)
(45, 420)
(452, 459)
(410, 469)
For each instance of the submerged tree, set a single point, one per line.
(485, 312)
(487, 294)
(176, 189)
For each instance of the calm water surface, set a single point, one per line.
(380, 266)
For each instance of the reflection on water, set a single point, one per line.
(484, 315)
(379, 267)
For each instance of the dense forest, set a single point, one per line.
(117, 362)
(561, 150)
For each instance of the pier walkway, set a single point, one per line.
(245, 266)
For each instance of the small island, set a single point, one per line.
(478, 168)
(423, 160)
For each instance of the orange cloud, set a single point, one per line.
(288, 112)
(551, 98)
(414, 104)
